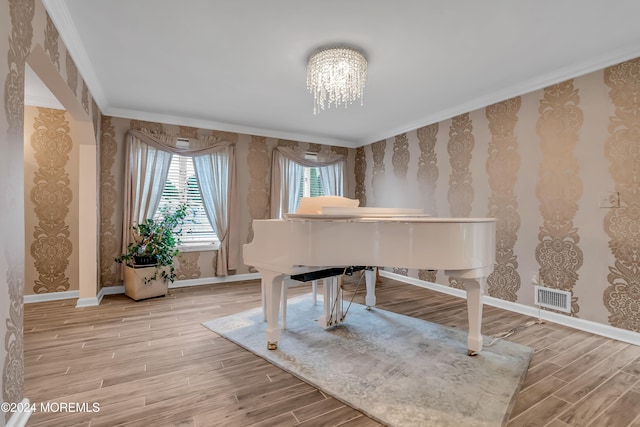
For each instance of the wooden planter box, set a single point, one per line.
(135, 286)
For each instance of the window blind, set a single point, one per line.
(182, 188)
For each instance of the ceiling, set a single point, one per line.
(240, 66)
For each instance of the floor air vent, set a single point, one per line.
(553, 298)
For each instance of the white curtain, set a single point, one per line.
(147, 167)
(216, 177)
(287, 168)
(285, 184)
(332, 178)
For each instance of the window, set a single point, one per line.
(324, 177)
(182, 187)
(310, 184)
(310, 181)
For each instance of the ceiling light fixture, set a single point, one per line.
(336, 76)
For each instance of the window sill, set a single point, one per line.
(199, 247)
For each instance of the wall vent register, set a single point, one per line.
(553, 298)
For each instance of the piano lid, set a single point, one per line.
(409, 242)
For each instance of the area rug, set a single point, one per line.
(396, 369)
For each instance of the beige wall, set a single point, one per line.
(27, 34)
(539, 163)
(253, 158)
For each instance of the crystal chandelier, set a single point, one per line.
(336, 76)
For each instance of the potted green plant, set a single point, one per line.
(149, 258)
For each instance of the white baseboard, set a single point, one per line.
(423, 284)
(214, 280)
(51, 296)
(20, 418)
(113, 290)
(561, 319)
(88, 302)
(94, 301)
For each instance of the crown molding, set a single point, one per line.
(226, 127)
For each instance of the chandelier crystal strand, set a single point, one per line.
(336, 76)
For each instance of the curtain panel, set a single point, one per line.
(287, 168)
(146, 167)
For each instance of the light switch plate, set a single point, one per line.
(609, 200)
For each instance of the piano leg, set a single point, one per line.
(370, 276)
(474, 309)
(332, 303)
(272, 290)
(263, 289)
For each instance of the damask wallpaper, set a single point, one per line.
(378, 173)
(48, 201)
(109, 235)
(359, 172)
(253, 157)
(503, 165)
(400, 161)
(20, 38)
(427, 177)
(559, 188)
(24, 26)
(461, 192)
(524, 162)
(259, 165)
(622, 226)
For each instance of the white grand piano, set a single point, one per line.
(463, 247)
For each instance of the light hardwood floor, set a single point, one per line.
(152, 363)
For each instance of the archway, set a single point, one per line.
(83, 224)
